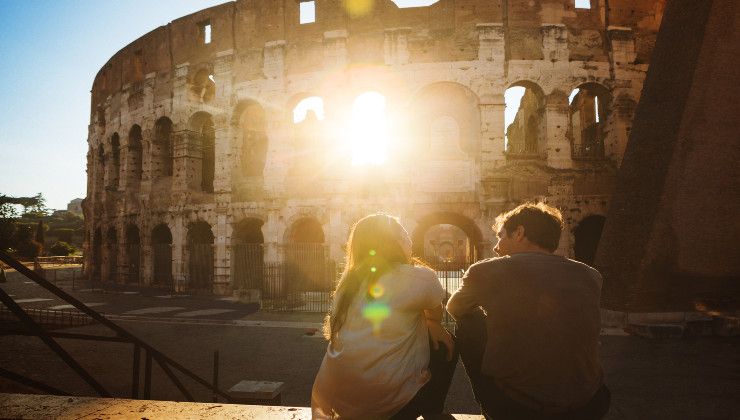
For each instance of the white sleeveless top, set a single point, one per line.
(380, 356)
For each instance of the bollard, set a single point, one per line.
(215, 375)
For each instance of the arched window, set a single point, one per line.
(111, 250)
(307, 106)
(162, 255)
(305, 257)
(524, 120)
(309, 143)
(445, 122)
(200, 256)
(203, 86)
(588, 115)
(201, 125)
(115, 167)
(162, 149)
(133, 254)
(247, 254)
(100, 168)
(134, 157)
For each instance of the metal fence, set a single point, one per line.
(200, 267)
(304, 279)
(162, 266)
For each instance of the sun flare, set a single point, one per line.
(368, 130)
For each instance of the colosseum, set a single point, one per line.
(231, 150)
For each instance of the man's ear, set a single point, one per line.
(518, 233)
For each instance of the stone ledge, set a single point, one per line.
(32, 406)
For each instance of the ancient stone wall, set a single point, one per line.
(185, 131)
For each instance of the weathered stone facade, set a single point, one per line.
(192, 139)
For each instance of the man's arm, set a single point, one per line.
(465, 298)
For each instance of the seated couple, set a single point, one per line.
(527, 328)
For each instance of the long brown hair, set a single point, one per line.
(373, 249)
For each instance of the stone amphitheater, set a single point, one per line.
(256, 132)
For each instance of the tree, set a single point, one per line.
(9, 232)
(40, 234)
(61, 248)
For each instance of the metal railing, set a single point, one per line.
(30, 327)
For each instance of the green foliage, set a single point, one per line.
(63, 234)
(61, 248)
(18, 231)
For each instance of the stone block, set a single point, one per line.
(249, 392)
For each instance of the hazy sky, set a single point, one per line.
(50, 52)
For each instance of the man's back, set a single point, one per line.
(543, 325)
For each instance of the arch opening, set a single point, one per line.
(253, 131)
(445, 122)
(111, 248)
(115, 167)
(247, 254)
(97, 263)
(162, 150)
(200, 256)
(524, 120)
(306, 258)
(204, 133)
(133, 254)
(203, 86)
(162, 256)
(447, 239)
(134, 157)
(588, 111)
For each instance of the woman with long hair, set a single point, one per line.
(384, 358)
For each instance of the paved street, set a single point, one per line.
(695, 378)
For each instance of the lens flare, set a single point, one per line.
(376, 291)
(358, 8)
(372, 252)
(376, 313)
(373, 269)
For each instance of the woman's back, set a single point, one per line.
(378, 360)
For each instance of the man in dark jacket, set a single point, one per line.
(529, 323)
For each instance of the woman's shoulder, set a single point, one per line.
(418, 271)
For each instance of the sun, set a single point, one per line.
(369, 130)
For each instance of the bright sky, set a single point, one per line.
(51, 51)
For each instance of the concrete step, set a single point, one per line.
(31, 406)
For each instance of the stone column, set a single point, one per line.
(274, 59)
(557, 120)
(622, 43)
(145, 250)
(179, 253)
(270, 231)
(221, 267)
(492, 131)
(224, 158)
(491, 44)
(395, 46)
(188, 154)
(555, 43)
(180, 85)
(619, 124)
(335, 49)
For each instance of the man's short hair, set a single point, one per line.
(542, 223)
